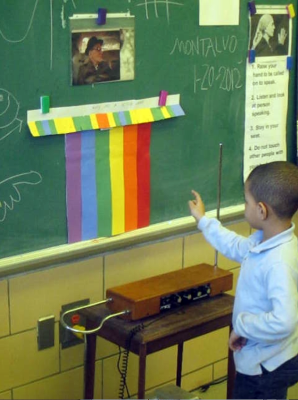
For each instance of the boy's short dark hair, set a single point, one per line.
(276, 184)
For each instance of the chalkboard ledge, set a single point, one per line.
(57, 255)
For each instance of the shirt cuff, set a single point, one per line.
(203, 222)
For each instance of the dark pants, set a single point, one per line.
(268, 385)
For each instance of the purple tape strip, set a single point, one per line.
(251, 56)
(252, 7)
(102, 15)
(162, 98)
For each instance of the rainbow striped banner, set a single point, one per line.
(107, 181)
(61, 121)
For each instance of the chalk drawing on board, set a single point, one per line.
(5, 37)
(62, 13)
(27, 31)
(9, 109)
(10, 193)
(155, 4)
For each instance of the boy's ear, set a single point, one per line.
(262, 211)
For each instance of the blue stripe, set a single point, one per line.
(177, 110)
(122, 118)
(88, 182)
(46, 127)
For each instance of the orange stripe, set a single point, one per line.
(130, 176)
(103, 121)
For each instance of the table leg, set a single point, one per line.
(179, 364)
(231, 373)
(89, 366)
(142, 372)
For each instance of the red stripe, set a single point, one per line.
(143, 171)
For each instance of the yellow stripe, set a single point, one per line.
(94, 122)
(165, 112)
(148, 114)
(64, 125)
(133, 117)
(111, 120)
(33, 129)
(139, 116)
(117, 180)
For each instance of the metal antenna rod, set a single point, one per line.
(218, 194)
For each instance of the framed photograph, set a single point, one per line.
(101, 54)
(270, 34)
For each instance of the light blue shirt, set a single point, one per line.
(266, 301)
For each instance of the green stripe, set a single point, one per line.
(53, 127)
(117, 119)
(40, 128)
(103, 183)
(157, 114)
(127, 117)
(170, 111)
(82, 123)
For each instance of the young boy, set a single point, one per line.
(265, 317)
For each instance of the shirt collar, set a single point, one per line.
(258, 246)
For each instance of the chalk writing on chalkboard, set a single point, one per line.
(155, 3)
(206, 76)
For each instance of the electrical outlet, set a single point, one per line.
(68, 338)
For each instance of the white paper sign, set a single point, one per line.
(219, 12)
(267, 81)
(266, 113)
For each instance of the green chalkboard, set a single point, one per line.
(172, 53)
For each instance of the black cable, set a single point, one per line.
(120, 372)
(123, 370)
(204, 388)
(124, 366)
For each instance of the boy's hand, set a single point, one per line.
(236, 342)
(196, 206)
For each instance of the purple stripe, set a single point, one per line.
(46, 127)
(88, 179)
(73, 186)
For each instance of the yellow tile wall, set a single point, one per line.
(5, 395)
(220, 369)
(205, 350)
(42, 293)
(55, 373)
(23, 363)
(4, 326)
(197, 378)
(143, 262)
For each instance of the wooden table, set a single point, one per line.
(159, 332)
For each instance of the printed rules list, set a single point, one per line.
(266, 113)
